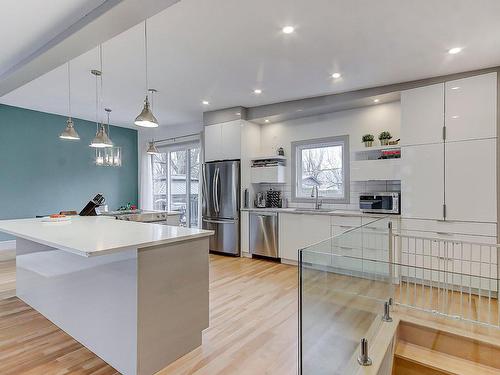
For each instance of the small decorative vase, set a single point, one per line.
(368, 143)
(384, 142)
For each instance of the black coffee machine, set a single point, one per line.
(89, 209)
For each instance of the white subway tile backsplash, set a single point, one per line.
(356, 188)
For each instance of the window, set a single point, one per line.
(176, 173)
(323, 163)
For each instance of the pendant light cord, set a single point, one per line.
(146, 53)
(100, 80)
(69, 90)
(96, 104)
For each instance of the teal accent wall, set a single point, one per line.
(41, 174)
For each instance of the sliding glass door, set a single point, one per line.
(176, 177)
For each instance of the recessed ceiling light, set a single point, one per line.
(376, 100)
(336, 75)
(266, 121)
(238, 114)
(288, 29)
(257, 91)
(455, 116)
(205, 102)
(455, 87)
(454, 50)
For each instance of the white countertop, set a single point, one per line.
(298, 210)
(94, 235)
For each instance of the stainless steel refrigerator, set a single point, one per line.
(221, 205)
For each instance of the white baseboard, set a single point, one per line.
(245, 255)
(7, 245)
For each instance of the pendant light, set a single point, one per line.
(152, 149)
(101, 138)
(146, 118)
(69, 132)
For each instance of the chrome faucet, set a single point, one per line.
(317, 203)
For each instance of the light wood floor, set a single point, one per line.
(253, 327)
(253, 322)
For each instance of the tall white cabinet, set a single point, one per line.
(449, 157)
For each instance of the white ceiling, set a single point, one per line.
(27, 25)
(220, 50)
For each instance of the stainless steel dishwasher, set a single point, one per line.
(264, 234)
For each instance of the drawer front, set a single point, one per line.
(346, 221)
(450, 227)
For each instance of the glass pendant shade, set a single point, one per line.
(69, 132)
(152, 150)
(146, 118)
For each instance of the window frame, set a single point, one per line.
(342, 140)
(168, 149)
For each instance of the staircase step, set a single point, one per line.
(440, 363)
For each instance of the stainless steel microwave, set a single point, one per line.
(384, 203)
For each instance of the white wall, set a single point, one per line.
(355, 123)
(144, 137)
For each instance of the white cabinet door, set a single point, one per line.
(231, 140)
(298, 231)
(422, 115)
(290, 235)
(471, 108)
(422, 181)
(471, 181)
(245, 232)
(213, 142)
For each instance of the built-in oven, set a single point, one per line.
(384, 203)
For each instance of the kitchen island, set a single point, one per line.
(135, 294)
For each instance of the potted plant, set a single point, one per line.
(384, 138)
(368, 140)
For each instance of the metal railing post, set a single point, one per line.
(364, 359)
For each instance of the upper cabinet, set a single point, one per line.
(471, 189)
(422, 115)
(213, 142)
(471, 108)
(223, 141)
(422, 181)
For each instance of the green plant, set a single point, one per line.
(384, 135)
(367, 138)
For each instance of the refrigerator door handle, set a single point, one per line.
(213, 190)
(216, 188)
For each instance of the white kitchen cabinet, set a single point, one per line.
(471, 193)
(244, 232)
(373, 170)
(297, 231)
(422, 115)
(223, 141)
(231, 140)
(268, 175)
(471, 108)
(213, 142)
(422, 181)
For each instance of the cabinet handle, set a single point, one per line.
(445, 233)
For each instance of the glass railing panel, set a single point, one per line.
(341, 301)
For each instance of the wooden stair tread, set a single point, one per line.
(442, 362)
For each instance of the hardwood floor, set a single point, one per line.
(253, 327)
(253, 322)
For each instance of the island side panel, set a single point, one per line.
(92, 299)
(173, 310)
